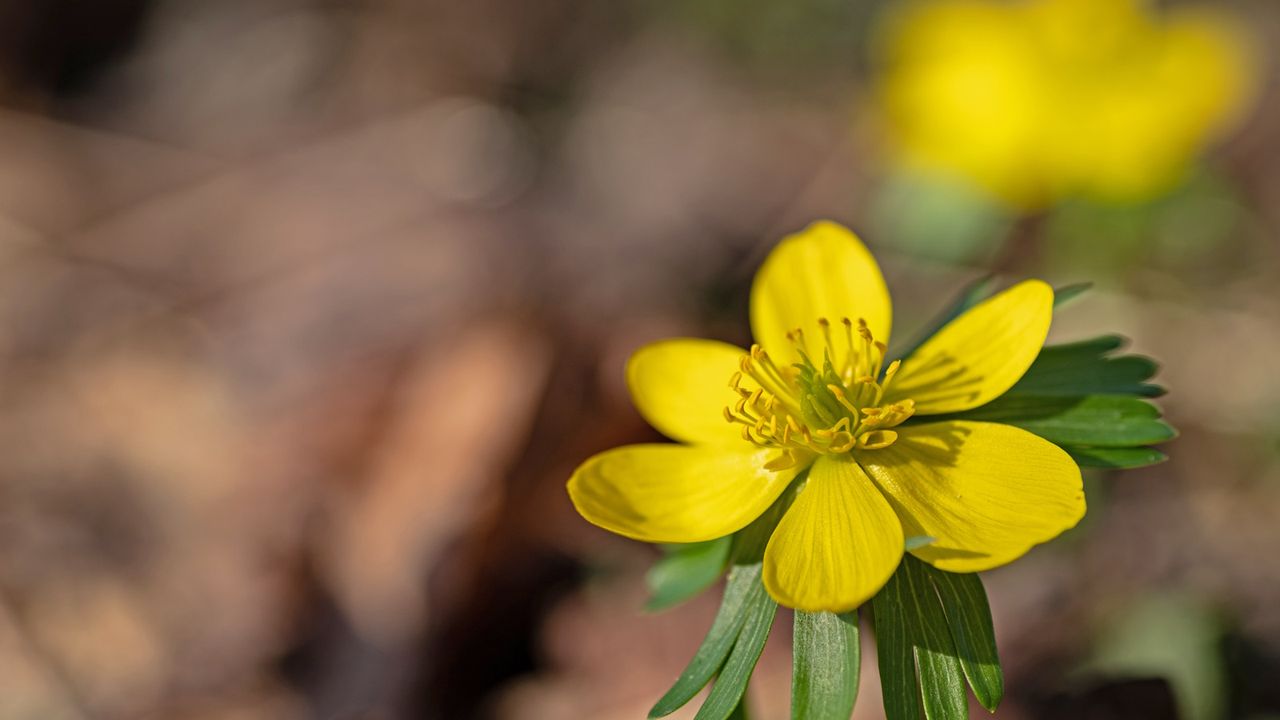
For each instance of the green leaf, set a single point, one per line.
(1094, 420)
(825, 661)
(1115, 458)
(969, 616)
(685, 571)
(895, 651)
(1067, 293)
(972, 294)
(919, 666)
(1084, 368)
(934, 632)
(730, 686)
(742, 591)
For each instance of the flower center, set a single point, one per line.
(804, 409)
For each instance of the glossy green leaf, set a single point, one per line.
(743, 591)
(1115, 458)
(731, 684)
(1085, 368)
(685, 571)
(1094, 420)
(919, 667)
(825, 662)
(969, 616)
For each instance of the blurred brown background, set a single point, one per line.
(309, 307)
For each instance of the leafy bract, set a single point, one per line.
(825, 663)
(934, 632)
(685, 571)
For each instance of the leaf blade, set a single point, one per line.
(1115, 458)
(964, 601)
(1091, 420)
(726, 694)
(942, 685)
(1087, 368)
(899, 691)
(825, 664)
(741, 590)
(685, 571)
(969, 295)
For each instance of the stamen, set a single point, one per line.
(826, 337)
(877, 439)
(844, 401)
(786, 460)
(848, 336)
(805, 408)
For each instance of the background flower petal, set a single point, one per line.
(676, 493)
(681, 386)
(978, 356)
(838, 543)
(985, 492)
(822, 271)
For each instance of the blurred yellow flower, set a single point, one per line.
(1039, 99)
(814, 395)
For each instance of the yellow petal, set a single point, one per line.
(985, 492)
(823, 271)
(838, 543)
(980, 354)
(681, 387)
(676, 493)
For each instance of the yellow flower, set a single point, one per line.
(814, 395)
(1039, 99)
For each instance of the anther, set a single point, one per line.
(786, 460)
(891, 370)
(877, 439)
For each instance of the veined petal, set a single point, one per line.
(985, 492)
(979, 355)
(822, 271)
(681, 387)
(838, 543)
(676, 493)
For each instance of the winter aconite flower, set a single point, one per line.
(1033, 100)
(815, 403)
